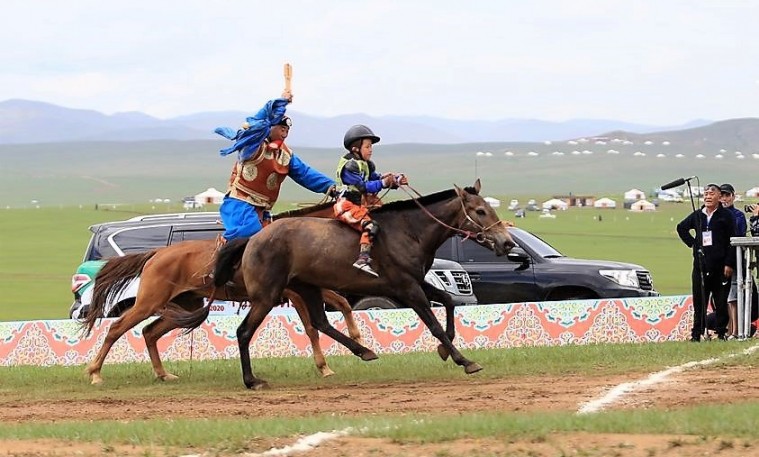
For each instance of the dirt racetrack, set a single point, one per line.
(713, 385)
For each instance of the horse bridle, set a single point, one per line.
(478, 236)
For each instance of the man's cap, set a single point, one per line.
(286, 121)
(727, 189)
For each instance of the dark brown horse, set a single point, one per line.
(180, 275)
(306, 254)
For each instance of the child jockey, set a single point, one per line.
(356, 179)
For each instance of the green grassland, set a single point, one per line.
(42, 247)
(48, 195)
(71, 174)
(133, 382)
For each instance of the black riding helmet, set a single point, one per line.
(358, 132)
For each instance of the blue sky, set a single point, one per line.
(657, 62)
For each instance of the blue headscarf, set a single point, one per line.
(248, 140)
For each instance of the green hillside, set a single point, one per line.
(127, 172)
(731, 135)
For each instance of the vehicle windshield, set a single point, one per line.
(541, 248)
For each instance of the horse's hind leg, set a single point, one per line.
(434, 294)
(152, 333)
(340, 303)
(129, 319)
(311, 332)
(259, 308)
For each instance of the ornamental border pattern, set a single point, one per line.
(630, 320)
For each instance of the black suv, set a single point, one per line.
(535, 271)
(142, 233)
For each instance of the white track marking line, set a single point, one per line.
(305, 444)
(620, 390)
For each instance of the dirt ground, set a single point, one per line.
(705, 385)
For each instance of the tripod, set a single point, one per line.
(698, 256)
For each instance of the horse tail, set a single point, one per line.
(181, 318)
(228, 257)
(111, 281)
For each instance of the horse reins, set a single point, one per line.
(479, 236)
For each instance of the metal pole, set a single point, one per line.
(746, 250)
(747, 293)
(741, 285)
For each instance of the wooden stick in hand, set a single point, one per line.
(288, 77)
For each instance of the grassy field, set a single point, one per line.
(103, 172)
(41, 248)
(131, 382)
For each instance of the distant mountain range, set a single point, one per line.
(25, 122)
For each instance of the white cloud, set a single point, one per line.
(543, 59)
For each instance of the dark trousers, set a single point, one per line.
(716, 286)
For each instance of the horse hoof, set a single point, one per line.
(442, 351)
(263, 385)
(96, 381)
(168, 377)
(257, 385)
(368, 356)
(326, 372)
(473, 367)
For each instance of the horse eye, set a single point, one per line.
(481, 212)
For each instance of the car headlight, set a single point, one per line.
(626, 278)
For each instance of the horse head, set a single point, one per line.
(481, 219)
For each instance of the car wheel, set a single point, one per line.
(77, 311)
(374, 303)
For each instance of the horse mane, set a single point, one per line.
(305, 211)
(398, 205)
(401, 205)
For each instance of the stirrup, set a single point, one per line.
(364, 266)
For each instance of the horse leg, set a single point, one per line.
(311, 332)
(339, 302)
(152, 333)
(434, 294)
(416, 299)
(128, 320)
(312, 296)
(259, 308)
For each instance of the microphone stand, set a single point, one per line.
(699, 257)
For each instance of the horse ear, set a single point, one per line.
(477, 186)
(460, 192)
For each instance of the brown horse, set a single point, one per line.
(180, 275)
(306, 254)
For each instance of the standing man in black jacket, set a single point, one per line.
(713, 259)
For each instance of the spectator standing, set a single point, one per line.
(713, 259)
(727, 199)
